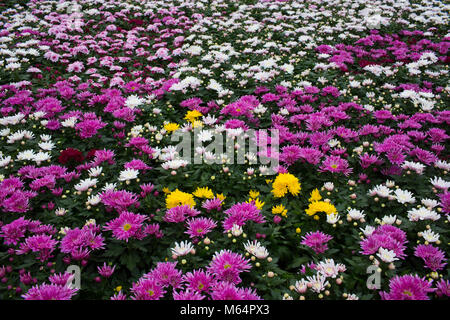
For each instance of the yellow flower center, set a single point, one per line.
(408, 293)
(151, 292)
(126, 226)
(227, 266)
(200, 286)
(334, 166)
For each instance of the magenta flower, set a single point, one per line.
(212, 204)
(198, 227)
(187, 295)
(387, 237)
(43, 244)
(49, 292)
(227, 265)
(105, 270)
(407, 287)
(199, 281)
(240, 213)
(432, 256)
(180, 213)
(127, 225)
(443, 288)
(335, 164)
(166, 274)
(316, 241)
(147, 289)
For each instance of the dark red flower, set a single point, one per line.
(70, 155)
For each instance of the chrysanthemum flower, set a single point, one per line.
(127, 225)
(179, 198)
(49, 292)
(203, 193)
(199, 281)
(147, 289)
(320, 206)
(227, 265)
(316, 241)
(407, 287)
(198, 227)
(171, 127)
(433, 257)
(284, 183)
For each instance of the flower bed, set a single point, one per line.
(332, 183)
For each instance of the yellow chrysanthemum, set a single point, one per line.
(220, 196)
(284, 183)
(197, 124)
(171, 127)
(192, 115)
(258, 203)
(253, 194)
(279, 209)
(179, 198)
(203, 193)
(166, 190)
(315, 195)
(320, 206)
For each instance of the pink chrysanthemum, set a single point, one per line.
(407, 287)
(198, 227)
(187, 295)
(147, 289)
(316, 241)
(432, 256)
(227, 265)
(240, 213)
(199, 280)
(180, 213)
(127, 225)
(49, 292)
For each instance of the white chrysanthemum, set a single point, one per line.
(440, 183)
(60, 212)
(317, 282)
(356, 214)
(404, 196)
(45, 137)
(441, 164)
(95, 172)
(387, 256)
(93, 200)
(134, 101)
(26, 155)
(4, 161)
(389, 219)
(329, 268)
(128, 174)
(430, 203)
(236, 230)
(41, 156)
(368, 230)
(415, 166)
(109, 186)
(69, 122)
(182, 248)
(85, 184)
(46, 145)
(430, 236)
(422, 213)
(204, 135)
(333, 218)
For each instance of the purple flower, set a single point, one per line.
(227, 265)
(127, 225)
(198, 227)
(49, 292)
(240, 213)
(407, 287)
(432, 256)
(316, 241)
(105, 270)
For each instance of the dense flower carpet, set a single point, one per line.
(335, 184)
